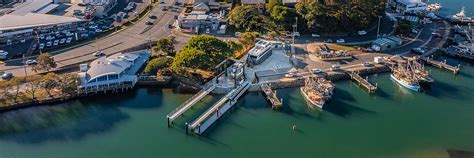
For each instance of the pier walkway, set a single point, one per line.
(364, 82)
(271, 96)
(203, 122)
(442, 65)
(189, 103)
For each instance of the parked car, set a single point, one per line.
(208, 31)
(69, 39)
(62, 41)
(328, 41)
(23, 40)
(98, 30)
(290, 75)
(6, 76)
(81, 29)
(56, 42)
(9, 42)
(363, 32)
(366, 64)
(149, 22)
(315, 35)
(317, 71)
(99, 53)
(418, 50)
(341, 41)
(30, 62)
(84, 35)
(41, 36)
(49, 43)
(335, 68)
(151, 16)
(41, 45)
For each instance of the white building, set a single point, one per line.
(411, 6)
(117, 72)
(261, 51)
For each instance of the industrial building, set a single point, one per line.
(386, 43)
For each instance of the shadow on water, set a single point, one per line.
(72, 120)
(442, 89)
(339, 106)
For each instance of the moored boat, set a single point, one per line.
(317, 91)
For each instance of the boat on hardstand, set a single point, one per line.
(317, 91)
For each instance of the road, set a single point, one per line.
(135, 35)
(423, 39)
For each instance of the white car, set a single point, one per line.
(49, 38)
(30, 62)
(208, 31)
(56, 42)
(84, 35)
(315, 35)
(290, 75)
(81, 29)
(317, 71)
(335, 68)
(69, 39)
(22, 40)
(362, 32)
(341, 41)
(41, 36)
(41, 46)
(48, 44)
(62, 41)
(98, 30)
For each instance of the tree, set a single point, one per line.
(156, 64)
(16, 83)
(49, 82)
(68, 83)
(249, 19)
(337, 16)
(44, 63)
(203, 52)
(33, 85)
(167, 45)
(248, 39)
(403, 27)
(272, 3)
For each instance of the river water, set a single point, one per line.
(394, 122)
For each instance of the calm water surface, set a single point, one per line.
(394, 122)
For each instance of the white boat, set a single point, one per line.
(415, 87)
(460, 17)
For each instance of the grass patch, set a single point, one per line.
(340, 47)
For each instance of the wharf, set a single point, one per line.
(208, 118)
(364, 82)
(271, 96)
(189, 103)
(442, 65)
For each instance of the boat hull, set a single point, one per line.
(312, 103)
(406, 85)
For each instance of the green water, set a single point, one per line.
(394, 122)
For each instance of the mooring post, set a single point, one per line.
(199, 128)
(168, 120)
(186, 128)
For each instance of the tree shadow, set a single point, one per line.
(74, 120)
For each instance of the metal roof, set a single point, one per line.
(48, 8)
(30, 20)
(31, 6)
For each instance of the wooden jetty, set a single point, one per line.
(442, 65)
(271, 96)
(363, 82)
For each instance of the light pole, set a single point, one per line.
(378, 27)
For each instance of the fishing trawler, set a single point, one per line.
(317, 91)
(460, 17)
(404, 75)
(423, 76)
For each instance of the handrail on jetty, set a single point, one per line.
(364, 82)
(189, 103)
(442, 65)
(271, 96)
